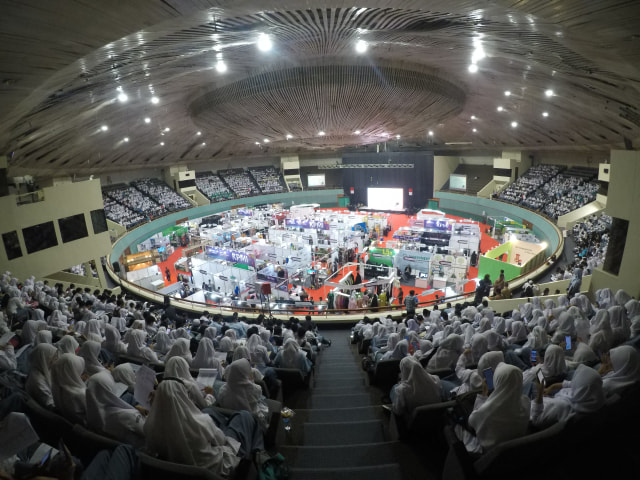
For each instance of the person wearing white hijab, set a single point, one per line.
(620, 325)
(604, 298)
(124, 374)
(243, 352)
(38, 384)
(471, 379)
(502, 416)
(225, 344)
(632, 308)
(112, 342)
(258, 352)
(518, 333)
(68, 388)
(29, 332)
(109, 414)
(43, 336)
(205, 357)
(90, 351)
(583, 394)
(93, 327)
(163, 342)
(622, 297)
(240, 392)
(181, 348)
(67, 344)
(178, 432)
(624, 362)
(416, 388)
(447, 355)
(57, 319)
(292, 357)
(553, 367)
(177, 367)
(138, 348)
(400, 351)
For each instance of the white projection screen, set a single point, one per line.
(457, 182)
(316, 180)
(385, 198)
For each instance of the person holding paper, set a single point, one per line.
(177, 367)
(68, 388)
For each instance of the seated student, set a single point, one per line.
(38, 384)
(137, 346)
(621, 369)
(400, 351)
(177, 367)
(178, 432)
(498, 416)
(416, 388)
(553, 367)
(109, 414)
(90, 351)
(181, 348)
(240, 392)
(292, 357)
(68, 388)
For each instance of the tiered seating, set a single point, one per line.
(527, 185)
(268, 179)
(240, 182)
(121, 214)
(213, 187)
(162, 194)
(135, 200)
(569, 193)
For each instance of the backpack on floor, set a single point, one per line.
(271, 468)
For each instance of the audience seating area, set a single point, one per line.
(135, 202)
(212, 187)
(240, 182)
(169, 199)
(552, 190)
(268, 179)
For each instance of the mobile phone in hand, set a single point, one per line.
(488, 376)
(567, 341)
(534, 356)
(540, 377)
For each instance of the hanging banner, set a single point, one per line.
(306, 223)
(230, 256)
(440, 225)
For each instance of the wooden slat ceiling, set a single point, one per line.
(63, 61)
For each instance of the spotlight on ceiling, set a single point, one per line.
(264, 42)
(548, 93)
(473, 68)
(545, 114)
(431, 133)
(514, 124)
(321, 133)
(123, 97)
(357, 132)
(147, 120)
(289, 136)
(361, 46)
(104, 128)
(221, 67)
(155, 100)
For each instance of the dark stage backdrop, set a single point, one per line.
(419, 178)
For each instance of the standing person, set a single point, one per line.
(499, 284)
(168, 274)
(483, 289)
(576, 281)
(410, 303)
(400, 295)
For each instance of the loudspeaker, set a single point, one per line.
(266, 288)
(116, 267)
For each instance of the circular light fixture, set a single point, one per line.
(514, 124)
(474, 130)
(123, 97)
(357, 132)
(155, 100)
(264, 42)
(548, 93)
(361, 46)
(431, 133)
(257, 143)
(397, 137)
(500, 109)
(265, 140)
(147, 120)
(221, 67)
(545, 114)
(126, 139)
(321, 133)
(162, 144)
(473, 117)
(289, 136)
(104, 128)
(473, 68)
(507, 93)
(203, 144)
(199, 133)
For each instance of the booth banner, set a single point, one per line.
(381, 256)
(245, 212)
(230, 256)
(306, 223)
(440, 225)
(416, 260)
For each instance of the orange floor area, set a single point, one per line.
(397, 220)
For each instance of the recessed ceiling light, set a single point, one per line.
(361, 46)
(199, 133)
(221, 67)
(474, 130)
(289, 136)
(167, 129)
(126, 139)
(264, 42)
(162, 144)
(203, 144)
(473, 117)
(155, 100)
(548, 93)
(397, 137)
(500, 108)
(265, 140)
(431, 133)
(473, 68)
(514, 124)
(545, 114)
(257, 143)
(104, 128)
(123, 97)
(147, 120)
(507, 93)
(321, 133)
(357, 132)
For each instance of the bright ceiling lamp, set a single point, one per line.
(264, 42)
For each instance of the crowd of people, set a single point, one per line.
(539, 364)
(268, 179)
(240, 182)
(121, 214)
(213, 187)
(71, 351)
(134, 200)
(169, 199)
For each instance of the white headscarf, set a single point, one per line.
(43, 336)
(225, 344)
(519, 332)
(205, 355)
(622, 297)
(67, 344)
(29, 332)
(138, 348)
(257, 351)
(178, 432)
(163, 341)
(179, 368)
(240, 392)
(505, 414)
(554, 364)
(416, 387)
(181, 348)
(124, 374)
(112, 341)
(38, 384)
(90, 351)
(447, 354)
(67, 387)
(626, 369)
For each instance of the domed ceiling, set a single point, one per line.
(91, 87)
